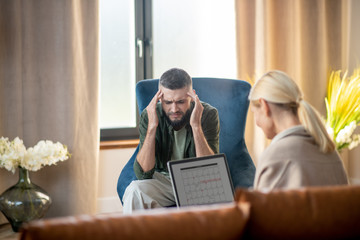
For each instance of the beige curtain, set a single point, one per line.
(49, 90)
(305, 38)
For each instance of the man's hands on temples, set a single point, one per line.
(195, 119)
(201, 145)
(151, 110)
(146, 155)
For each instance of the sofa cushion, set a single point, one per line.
(311, 213)
(223, 221)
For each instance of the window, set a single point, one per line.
(141, 39)
(124, 60)
(196, 35)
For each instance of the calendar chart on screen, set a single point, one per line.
(201, 180)
(203, 184)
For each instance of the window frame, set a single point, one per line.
(143, 65)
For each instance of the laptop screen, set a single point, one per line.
(202, 180)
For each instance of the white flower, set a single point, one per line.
(14, 154)
(44, 153)
(355, 141)
(11, 153)
(344, 135)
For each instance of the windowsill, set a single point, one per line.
(128, 143)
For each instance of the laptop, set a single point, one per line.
(201, 180)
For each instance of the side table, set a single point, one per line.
(7, 233)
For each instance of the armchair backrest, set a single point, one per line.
(230, 97)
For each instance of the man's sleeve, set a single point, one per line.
(211, 128)
(143, 124)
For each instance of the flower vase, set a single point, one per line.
(24, 201)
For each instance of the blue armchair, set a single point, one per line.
(230, 97)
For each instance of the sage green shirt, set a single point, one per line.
(179, 144)
(164, 138)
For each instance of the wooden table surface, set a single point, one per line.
(7, 233)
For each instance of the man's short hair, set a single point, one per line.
(175, 78)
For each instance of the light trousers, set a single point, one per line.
(149, 193)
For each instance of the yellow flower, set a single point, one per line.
(343, 108)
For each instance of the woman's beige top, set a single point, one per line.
(293, 160)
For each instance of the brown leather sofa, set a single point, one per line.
(311, 213)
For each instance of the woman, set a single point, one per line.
(301, 153)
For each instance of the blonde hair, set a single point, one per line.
(278, 88)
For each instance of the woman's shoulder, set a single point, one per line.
(289, 144)
(299, 146)
(296, 140)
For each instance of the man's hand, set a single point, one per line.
(151, 111)
(146, 155)
(201, 146)
(195, 119)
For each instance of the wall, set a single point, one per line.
(111, 163)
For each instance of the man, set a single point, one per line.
(179, 126)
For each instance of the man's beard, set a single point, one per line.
(178, 124)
